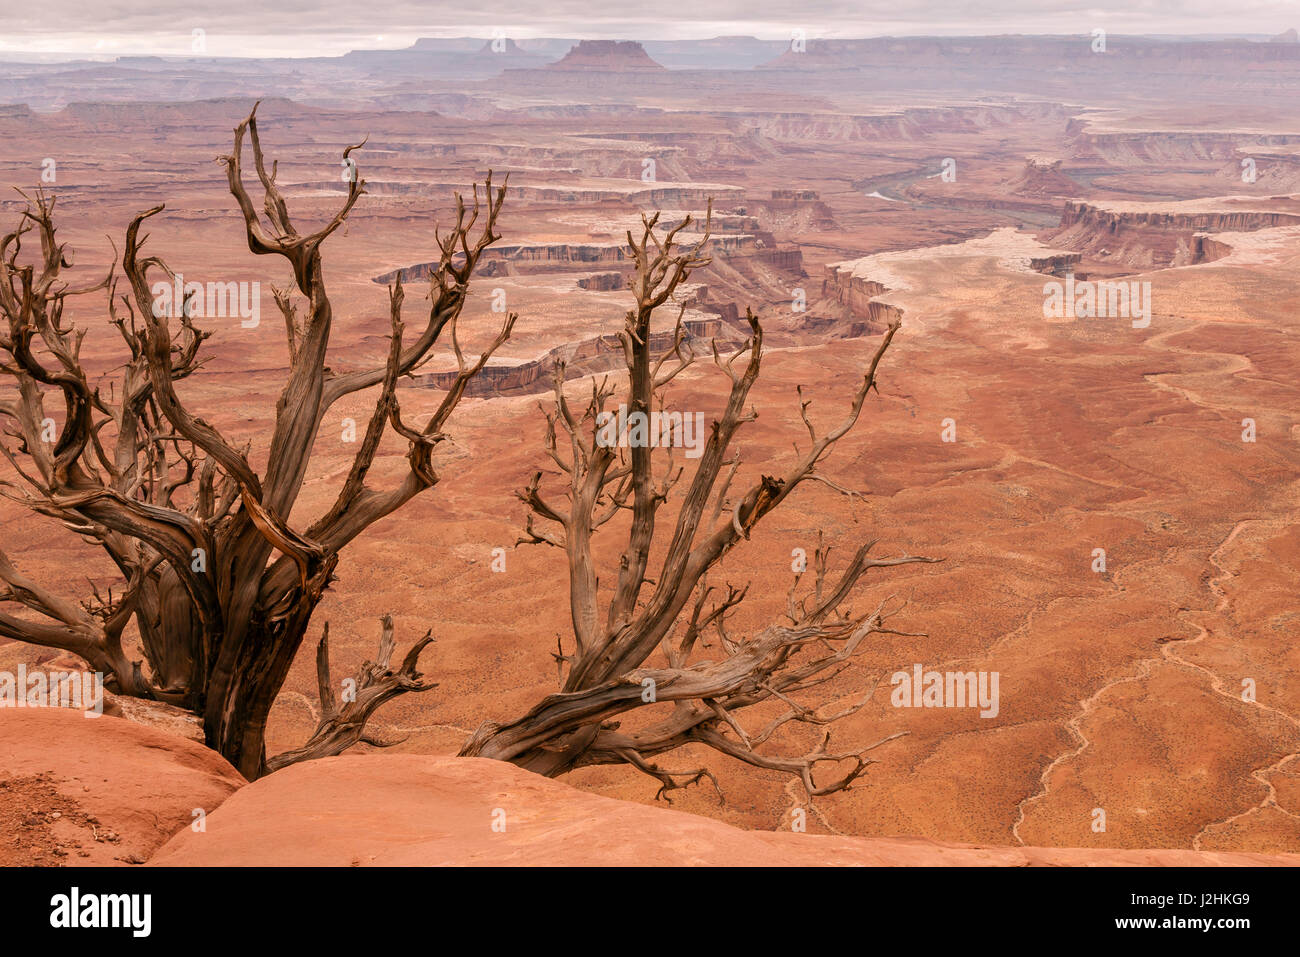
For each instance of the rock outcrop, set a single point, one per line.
(616, 56)
(532, 257)
(1166, 147)
(1043, 177)
(417, 810)
(862, 313)
(591, 356)
(1146, 235)
(1057, 264)
(96, 791)
(603, 282)
(75, 790)
(1267, 169)
(1109, 220)
(794, 210)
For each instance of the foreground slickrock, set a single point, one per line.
(423, 810)
(104, 790)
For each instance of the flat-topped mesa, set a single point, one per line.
(1111, 219)
(1166, 147)
(1147, 235)
(1130, 54)
(618, 56)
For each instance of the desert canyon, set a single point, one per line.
(946, 183)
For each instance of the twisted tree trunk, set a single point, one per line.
(218, 584)
(686, 697)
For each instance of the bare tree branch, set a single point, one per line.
(610, 674)
(375, 683)
(190, 526)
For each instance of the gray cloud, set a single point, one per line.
(303, 27)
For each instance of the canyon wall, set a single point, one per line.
(1145, 238)
(601, 354)
(569, 254)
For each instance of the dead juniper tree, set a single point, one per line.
(218, 586)
(641, 642)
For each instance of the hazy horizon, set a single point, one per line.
(240, 28)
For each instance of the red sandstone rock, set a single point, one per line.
(77, 790)
(407, 810)
(1043, 178)
(615, 55)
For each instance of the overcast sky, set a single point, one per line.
(330, 27)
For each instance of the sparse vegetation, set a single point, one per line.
(220, 588)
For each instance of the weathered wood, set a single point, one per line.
(218, 583)
(340, 728)
(609, 674)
